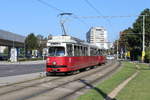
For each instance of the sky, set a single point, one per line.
(31, 16)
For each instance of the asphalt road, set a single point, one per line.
(19, 69)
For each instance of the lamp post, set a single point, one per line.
(143, 51)
(117, 50)
(24, 49)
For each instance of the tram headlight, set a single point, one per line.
(54, 63)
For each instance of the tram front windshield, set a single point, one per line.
(56, 51)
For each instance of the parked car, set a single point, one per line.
(110, 57)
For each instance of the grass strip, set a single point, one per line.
(139, 87)
(101, 90)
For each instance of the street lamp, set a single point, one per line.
(143, 51)
(117, 50)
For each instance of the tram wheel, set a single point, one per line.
(76, 72)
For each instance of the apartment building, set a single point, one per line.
(98, 36)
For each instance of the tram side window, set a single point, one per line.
(79, 51)
(85, 51)
(82, 51)
(91, 52)
(95, 52)
(101, 53)
(69, 50)
(75, 51)
(98, 52)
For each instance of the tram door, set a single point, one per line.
(70, 50)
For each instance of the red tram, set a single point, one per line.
(68, 54)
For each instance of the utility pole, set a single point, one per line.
(143, 51)
(117, 50)
(24, 49)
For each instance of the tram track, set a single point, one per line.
(90, 84)
(24, 85)
(36, 89)
(73, 84)
(41, 77)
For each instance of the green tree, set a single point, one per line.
(147, 55)
(31, 42)
(138, 26)
(6, 52)
(133, 42)
(40, 43)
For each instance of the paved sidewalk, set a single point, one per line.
(23, 62)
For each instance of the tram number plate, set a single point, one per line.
(54, 69)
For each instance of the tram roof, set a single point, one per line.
(65, 39)
(69, 39)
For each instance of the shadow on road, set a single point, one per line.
(103, 94)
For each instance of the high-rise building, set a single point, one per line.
(97, 36)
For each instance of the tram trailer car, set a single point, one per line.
(68, 54)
